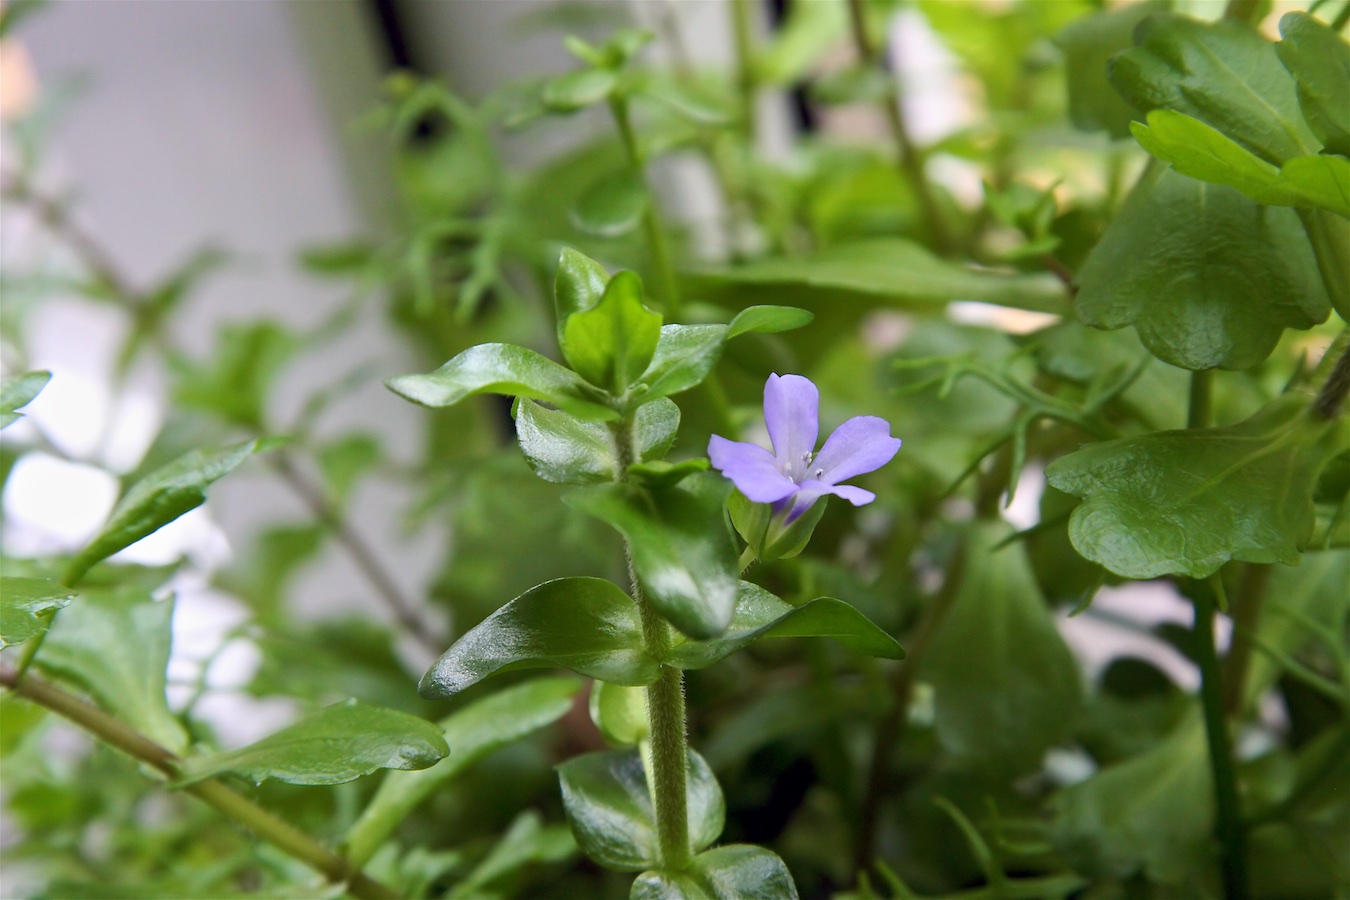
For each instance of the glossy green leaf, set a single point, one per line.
(685, 354)
(158, 499)
(759, 614)
(613, 206)
(1208, 277)
(1005, 684)
(1319, 60)
(1195, 149)
(115, 644)
(587, 625)
(17, 392)
(337, 744)
(1186, 502)
(1223, 73)
(578, 285)
(733, 872)
(889, 271)
(620, 712)
(660, 474)
(768, 320)
(563, 448)
(503, 369)
(572, 91)
(472, 733)
(611, 814)
(611, 344)
(681, 550)
(1152, 813)
(1088, 44)
(27, 606)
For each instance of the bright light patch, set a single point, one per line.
(54, 506)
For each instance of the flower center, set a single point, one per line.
(796, 470)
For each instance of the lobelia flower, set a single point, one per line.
(793, 477)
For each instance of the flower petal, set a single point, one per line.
(751, 468)
(862, 444)
(811, 491)
(792, 414)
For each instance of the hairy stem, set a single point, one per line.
(236, 806)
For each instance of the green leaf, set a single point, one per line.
(1319, 60)
(527, 841)
(655, 425)
(17, 392)
(562, 448)
(889, 271)
(1195, 149)
(1152, 813)
(1005, 685)
(1207, 277)
(1223, 73)
(761, 614)
(337, 744)
(27, 606)
(681, 550)
(502, 369)
(345, 460)
(158, 499)
(611, 814)
(613, 206)
(473, 732)
(572, 91)
(236, 382)
(733, 872)
(1186, 502)
(768, 320)
(620, 712)
(611, 344)
(578, 285)
(684, 356)
(115, 644)
(1088, 44)
(587, 625)
(660, 474)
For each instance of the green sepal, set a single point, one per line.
(587, 625)
(1242, 492)
(1319, 60)
(612, 343)
(17, 392)
(158, 499)
(610, 809)
(334, 745)
(620, 713)
(682, 552)
(760, 614)
(732, 872)
(27, 606)
(503, 369)
(771, 536)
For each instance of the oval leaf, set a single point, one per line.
(685, 355)
(337, 744)
(587, 625)
(733, 872)
(612, 207)
(578, 285)
(27, 606)
(768, 320)
(574, 90)
(1319, 60)
(563, 448)
(611, 344)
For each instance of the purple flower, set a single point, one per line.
(793, 477)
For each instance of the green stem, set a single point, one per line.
(651, 225)
(1329, 235)
(266, 826)
(741, 26)
(1199, 411)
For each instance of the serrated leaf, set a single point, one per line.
(27, 606)
(733, 872)
(115, 644)
(611, 344)
(681, 550)
(685, 354)
(1208, 277)
(1223, 73)
(1088, 44)
(572, 91)
(1186, 502)
(17, 392)
(158, 499)
(759, 614)
(610, 810)
(472, 733)
(578, 285)
(563, 448)
(613, 206)
(587, 625)
(1005, 684)
(1319, 60)
(768, 320)
(337, 744)
(503, 369)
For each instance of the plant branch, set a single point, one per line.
(265, 825)
(365, 558)
(1334, 390)
(1246, 616)
(651, 225)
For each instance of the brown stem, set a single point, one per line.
(236, 806)
(407, 615)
